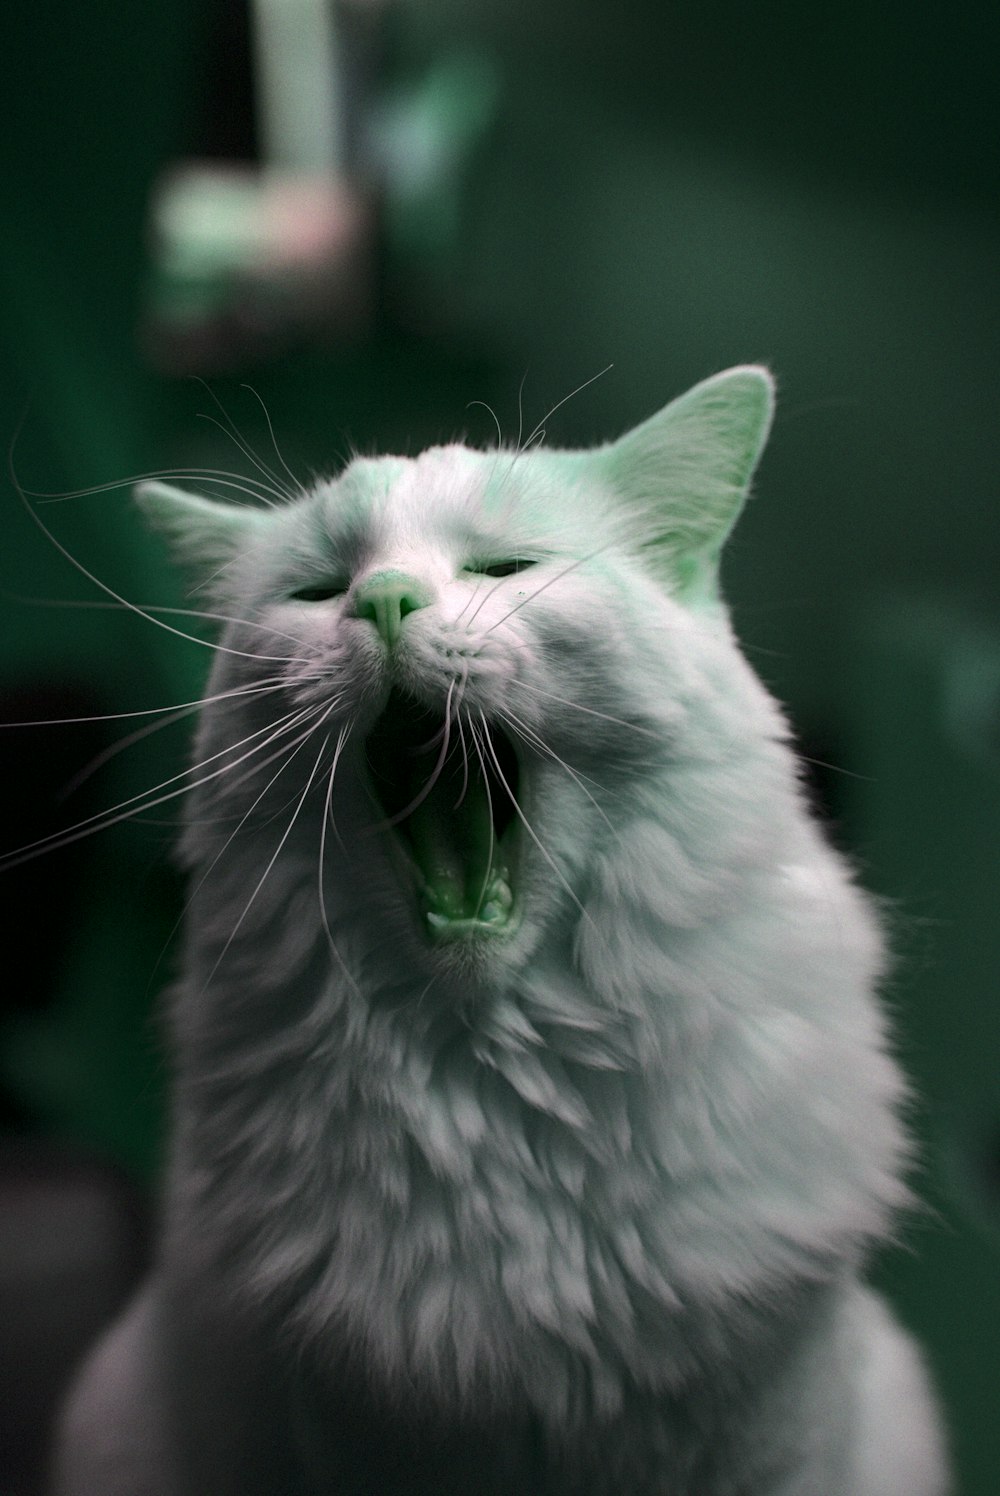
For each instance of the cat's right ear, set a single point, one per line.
(204, 534)
(683, 475)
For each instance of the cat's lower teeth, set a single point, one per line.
(494, 908)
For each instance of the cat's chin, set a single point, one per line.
(449, 794)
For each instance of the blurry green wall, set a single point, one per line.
(668, 187)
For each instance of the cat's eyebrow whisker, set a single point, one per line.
(271, 861)
(590, 711)
(488, 741)
(110, 591)
(493, 413)
(232, 431)
(560, 403)
(259, 492)
(296, 484)
(253, 623)
(468, 603)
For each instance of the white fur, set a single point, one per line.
(611, 1175)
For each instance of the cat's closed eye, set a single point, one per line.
(500, 568)
(319, 594)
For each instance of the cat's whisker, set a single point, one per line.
(257, 768)
(133, 607)
(232, 431)
(435, 774)
(564, 572)
(560, 403)
(461, 735)
(589, 710)
(520, 412)
(289, 756)
(129, 741)
(259, 688)
(218, 477)
(136, 805)
(296, 485)
(265, 628)
(328, 821)
(468, 604)
(493, 413)
(144, 609)
(499, 583)
(488, 742)
(489, 801)
(528, 735)
(271, 861)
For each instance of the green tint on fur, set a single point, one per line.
(687, 469)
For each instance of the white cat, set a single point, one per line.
(533, 1114)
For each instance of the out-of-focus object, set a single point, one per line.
(245, 257)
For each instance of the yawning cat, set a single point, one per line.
(533, 1117)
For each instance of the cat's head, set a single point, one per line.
(488, 649)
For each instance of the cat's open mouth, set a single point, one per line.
(447, 795)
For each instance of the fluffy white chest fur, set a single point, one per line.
(533, 1114)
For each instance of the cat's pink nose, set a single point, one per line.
(386, 598)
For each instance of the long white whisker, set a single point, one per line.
(493, 414)
(589, 710)
(136, 804)
(520, 412)
(461, 734)
(232, 431)
(435, 772)
(499, 583)
(468, 602)
(580, 561)
(144, 609)
(328, 820)
(527, 824)
(289, 756)
(259, 492)
(322, 709)
(258, 688)
(296, 484)
(489, 801)
(110, 591)
(559, 403)
(528, 735)
(272, 860)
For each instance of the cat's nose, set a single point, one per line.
(386, 598)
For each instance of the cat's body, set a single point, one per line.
(533, 1143)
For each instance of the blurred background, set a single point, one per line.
(342, 221)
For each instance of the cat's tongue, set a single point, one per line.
(454, 846)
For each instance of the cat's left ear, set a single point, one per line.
(684, 474)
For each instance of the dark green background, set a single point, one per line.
(670, 188)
